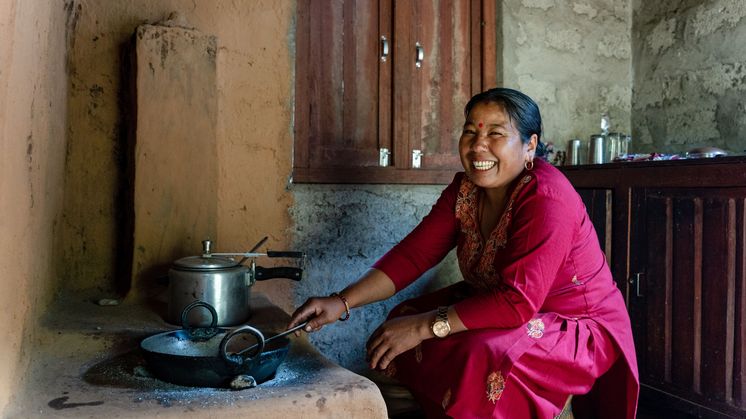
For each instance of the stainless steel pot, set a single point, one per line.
(222, 282)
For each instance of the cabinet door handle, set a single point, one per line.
(635, 281)
(383, 157)
(384, 48)
(417, 159)
(419, 54)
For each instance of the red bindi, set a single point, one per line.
(481, 125)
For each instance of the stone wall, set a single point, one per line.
(345, 229)
(574, 59)
(690, 75)
(32, 155)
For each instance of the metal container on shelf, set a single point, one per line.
(597, 149)
(613, 146)
(624, 145)
(576, 153)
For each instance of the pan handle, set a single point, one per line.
(199, 332)
(235, 359)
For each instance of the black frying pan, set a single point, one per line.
(207, 357)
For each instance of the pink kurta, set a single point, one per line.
(545, 317)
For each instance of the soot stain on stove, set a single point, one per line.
(321, 403)
(61, 403)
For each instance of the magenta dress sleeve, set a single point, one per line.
(540, 239)
(427, 244)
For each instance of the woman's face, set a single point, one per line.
(490, 147)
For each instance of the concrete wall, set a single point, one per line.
(32, 155)
(573, 58)
(345, 229)
(255, 84)
(690, 76)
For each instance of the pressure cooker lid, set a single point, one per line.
(201, 263)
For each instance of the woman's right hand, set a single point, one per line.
(318, 311)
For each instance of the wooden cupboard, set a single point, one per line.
(675, 237)
(381, 86)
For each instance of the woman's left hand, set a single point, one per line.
(397, 335)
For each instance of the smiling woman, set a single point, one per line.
(537, 318)
(496, 145)
(493, 152)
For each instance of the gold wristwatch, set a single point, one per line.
(441, 327)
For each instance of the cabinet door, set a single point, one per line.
(338, 93)
(599, 205)
(351, 101)
(438, 70)
(688, 299)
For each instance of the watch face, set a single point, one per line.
(441, 329)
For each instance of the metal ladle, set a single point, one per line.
(277, 336)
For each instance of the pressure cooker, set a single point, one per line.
(223, 282)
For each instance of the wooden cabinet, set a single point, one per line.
(381, 86)
(678, 253)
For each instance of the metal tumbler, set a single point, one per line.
(613, 146)
(624, 145)
(574, 151)
(597, 149)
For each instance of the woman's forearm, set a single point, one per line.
(373, 286)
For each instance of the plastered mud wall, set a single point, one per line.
(32, 155)
(572, 57)
(254, 131)
(690, 75)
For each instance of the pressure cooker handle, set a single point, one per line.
(286, 254)
(261, 274)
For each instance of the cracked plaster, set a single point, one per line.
(688, 70)
(538, 4)
(714, 16)
(663, 36)
(569, 40)
(722, 77)
(614, 46)
(585, 9)
(574, 67)
(544, 92)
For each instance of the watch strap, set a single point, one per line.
(442, 315)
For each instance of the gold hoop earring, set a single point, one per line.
(529, 164)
